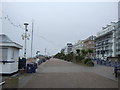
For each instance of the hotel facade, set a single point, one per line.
(107, 42)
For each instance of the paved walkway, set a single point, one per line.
(56, 73)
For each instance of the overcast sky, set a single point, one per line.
(55, 24)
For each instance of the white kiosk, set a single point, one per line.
(9, 54)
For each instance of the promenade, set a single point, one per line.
(57, 73)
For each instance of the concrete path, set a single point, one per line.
(56, 73)
(56, 66)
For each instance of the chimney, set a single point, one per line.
(103, 28)
(112, 22)
(108, 25)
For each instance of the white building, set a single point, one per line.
(9, 54)
(78, 45)
(68, 48)
(108, 41)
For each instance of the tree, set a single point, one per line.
(57, 55)
(90, 51)
(62, 55)
(78, 51)
(69, 57)
(84, 52)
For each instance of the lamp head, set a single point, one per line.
(26, 23)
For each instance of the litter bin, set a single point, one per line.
(24, 62)
(34, 67)
(30, 67)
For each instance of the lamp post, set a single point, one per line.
(37, 53)
(45, 52)
(25, 36)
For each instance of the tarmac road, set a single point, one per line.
(57, 73)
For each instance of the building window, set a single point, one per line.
(3, 54)
(12, 54)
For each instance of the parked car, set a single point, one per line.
(43, 60)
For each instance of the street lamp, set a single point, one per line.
(25, 36)
(26, 24)
(37, 53)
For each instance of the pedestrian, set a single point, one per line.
(115, 70)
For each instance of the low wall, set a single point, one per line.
(113, 59)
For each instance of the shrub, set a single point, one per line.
(84, 61)
(79, 58)
(90, 63)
